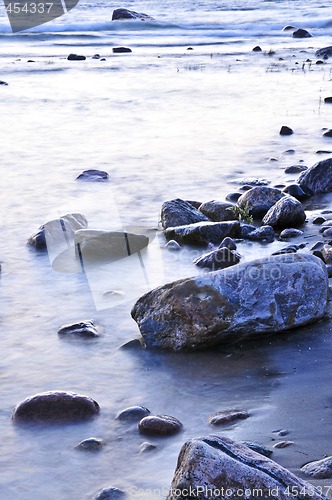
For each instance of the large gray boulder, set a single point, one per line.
(266, 295)
(218, 211)
(179, 213)
(287, 212)
(259, 199)
(203, 233)
(318, 178)
(232, 470)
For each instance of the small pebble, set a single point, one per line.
(290, 233)
(146, 446)
(90, 444)
(133, 414)
(283, 444)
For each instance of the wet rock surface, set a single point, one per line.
(159, 425)
(203, 233)
(120, 14)
(218, 259)
(81, 329)
(133, 414)
(93, 175)
(110, 493)
(178, 212)
(259, 200)
(287, 212)
(218, 211)
(319, 469)
(228, 416)
(90, 444)
(318, 178)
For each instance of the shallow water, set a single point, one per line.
(164, 122)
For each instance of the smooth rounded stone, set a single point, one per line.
(327, 233)
(96, 56)
(286, 130)
(110, 493)
(319, 220)
(259, 199)
(317, 178)
(119, 14)
(93, 175)
(218, 211)
(245, 230)
(266, 295)
(328, 99)
(218, 259)
(263, 233)
(289, 249)
(327, 133)
(326, 252)
(82, 329)
(76, 57)
(288, 27)
(319, 469)
(233, 197)
(133, 414)
(282, 432)
(323, 152)
(257, 48)
(258, 448)
(297, 192)
(159, 425)
(246, 187)
(217, 463)
(173, 245)
(227, 417)
(283, 444)
(58, 232)
(131, 344)
(317, 246)
(290, 232)
(146, 447)
(90, 444)
(301, 33)
(325, 52)
(228, 243)
(180, 213)
(55, 407)
(3, 83)
(295, 169)
(287, 212)
(203, 233)
(121, 50)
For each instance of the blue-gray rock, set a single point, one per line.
(228, 243)
(202, 233)
(110, 493)
(265, 295)
(297, 192)
(218, 211)
(295, 169)
(233, 197)
(215, 463)
(287, 212)
(290, 232)
(289, 249)
(319, 469)
(90, 444)
(93, 175)
(125, 14)
(55, 407)
(259, 199)
(301, 33)
(258, 448)
(318, 178)
(58, 232)
(121, 50)
(85, 328)
(218, 259)
(245, 230)
(179, 213)
(173, 246)
(159, 425)
(76, 57)
(133, 414)
(228, 416)
(263, 233)
(324, 53)
(286, 130)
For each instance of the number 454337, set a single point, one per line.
(29, 8)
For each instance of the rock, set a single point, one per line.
(258, 448)
(297, 192)
(131, 344)
(96, 56)
(265, 295)
(93, 175)
(194, 203)
(327, 133)
(259, 199)
(318, 178)
(3, 83)
(202, 233)
(146, 446)
(81, 329)
(283, 444)
(55, 407)
(320, 469)
(159, 425)
(227, 417)
(328, 99)
(133, 414)
(228, 243)
(75, 57)
(323, 152)
(173, 245)
(317, 246)
(289, 249)
(233, 197)
(325, 52)
(257, 49)
(295, 169)
(231, 470)
(320, 62)
(301, 33)
(263, 233)
(319, 220)
(327, 233)
(218, 211)
(288, 28)
(218, 259)
(121, 50)
(282, 432)
(287, 212)
(119, 14)
(286, 130)
(327, 254)
(254, 182)
(179, 213)
(90, 444)
(290, 233)
(110, 493)
(57, 231)
(245, 230)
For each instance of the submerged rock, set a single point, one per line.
(319, 469)
(121, 50)
(214, 463)
(93, 175)
(295, 169)
(286, 130)
(110, 493)
(228, 243)
(227, 417)
(76, 57)
(290, 233)
(297, 192)
(318, 178)
(301, 33)
(55, 407)
(265, 295)
(90, 444)
(202, 233)
(179, 213)
(263, 233)
(82, 329)
(325, 52)
(159, 425)
(218, 259)
(120, 14)
(133, 414)
(259, 199)
(58, 231)
(218, 211)
(287, 212)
